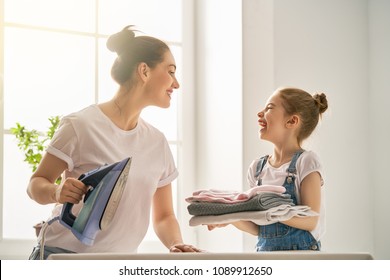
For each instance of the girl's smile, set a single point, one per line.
(263, 124)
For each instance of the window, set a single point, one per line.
(55, 62)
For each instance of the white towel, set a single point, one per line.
(270, 216)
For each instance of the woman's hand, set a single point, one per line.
(184, 248)
(71, 190)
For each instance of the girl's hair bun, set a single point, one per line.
(121, 41)
(321, 102)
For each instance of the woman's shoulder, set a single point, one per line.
(86, 116)
(81, 115)
(147, 127)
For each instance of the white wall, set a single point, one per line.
(333, 46)
(258, 81)
(219, 108)
(379, 151)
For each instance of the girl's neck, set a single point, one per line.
(282, 155)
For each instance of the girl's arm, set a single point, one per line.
(245, 226)
(310, 196)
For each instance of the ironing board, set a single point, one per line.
(279, 255)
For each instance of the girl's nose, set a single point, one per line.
(260, 114)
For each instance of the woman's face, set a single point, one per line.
(162, 82)
(272, 120)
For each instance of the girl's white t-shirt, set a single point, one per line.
(307, 163)
(88, 139)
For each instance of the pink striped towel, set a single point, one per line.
(227, 196)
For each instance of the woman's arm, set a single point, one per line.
(165, 223)
(42, 187)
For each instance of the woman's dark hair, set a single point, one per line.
(133, 50)
(308, 107)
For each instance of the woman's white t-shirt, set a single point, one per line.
(88, 139)
(307, 163)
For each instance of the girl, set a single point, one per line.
(107, 133)
(289, 117)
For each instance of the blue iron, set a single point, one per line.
(100, 202)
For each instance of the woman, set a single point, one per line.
(107, 133)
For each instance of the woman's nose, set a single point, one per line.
(260, 114)
(176, 84)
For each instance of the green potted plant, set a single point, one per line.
(33, 143)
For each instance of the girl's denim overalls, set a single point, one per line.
(278, 236)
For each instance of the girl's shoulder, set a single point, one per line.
(309, 156)
(308, 162)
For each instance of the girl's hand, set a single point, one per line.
(211, 227)
(71, 190)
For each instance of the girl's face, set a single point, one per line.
(162, 82)
(272, 120)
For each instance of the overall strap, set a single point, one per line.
(291, 173)
(292, 167)
(259, 168)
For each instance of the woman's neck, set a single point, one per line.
(123, 110)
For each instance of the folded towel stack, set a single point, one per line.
(260, 202)
(273, 215)
(262, 205)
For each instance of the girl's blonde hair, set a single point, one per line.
(309, 107)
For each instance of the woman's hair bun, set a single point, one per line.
(121, 41)
(321, 102)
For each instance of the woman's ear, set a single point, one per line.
(143, 71)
